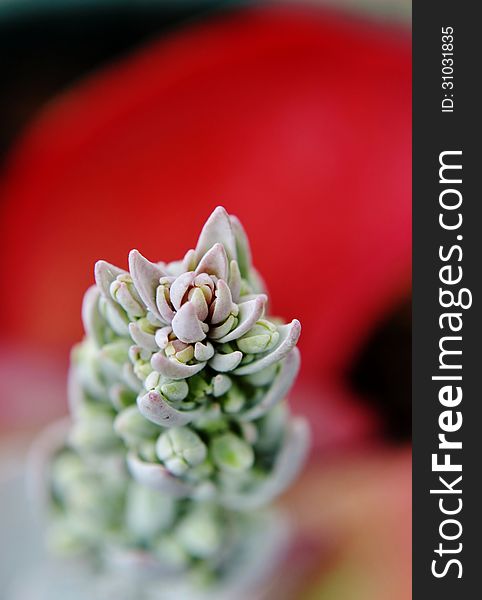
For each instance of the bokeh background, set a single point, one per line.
(124, 123)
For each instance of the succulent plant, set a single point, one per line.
(177, 394)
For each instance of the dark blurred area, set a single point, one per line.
(45, 50)
(382, 372)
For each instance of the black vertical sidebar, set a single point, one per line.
(447, 257)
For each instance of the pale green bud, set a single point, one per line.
(142, 370)
(260, 338)
(136, 353)
(200, 532)
(141, 361)
(205, 491)
(199, 388)
(94, 434)
(234, 400)
(133, 428)
(171, 553)
(147, 451)
(175, 391)
(185, 355)
(235, 482)
(148, 512)
(179, 350)
(212, 420)
(220, 384)
(66, 469)
(179, 449)
(200, 472)
(152, 380)
(231, 453)
(117, 351)
(147, 325)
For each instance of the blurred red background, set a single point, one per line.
(297, 121)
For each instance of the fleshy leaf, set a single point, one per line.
(243, 251)
(131, 426)
(174, 369)
(105, 274)
(187, 326)
(175, 391)
(130, 378)
(157, 477)
(179, 449)
(179, 288)
(222, 330)
(203, 351)
(234, 280)
(163, 309)
(226, 362)
(221, 384)
(147, 511)
(116, 317)
(145, 276)
(214, 262)
(223, 304)
(91, 317)
(289, 335)
(142, 338)
(231, 453)
(124, 293)
(198, 300)
(162, 336)
(189, 260)
(249, 313)
(279, 387)
(155, 408)
(288, 464)
(75, 393)
(217, 229)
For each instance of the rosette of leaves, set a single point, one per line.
(182, 365)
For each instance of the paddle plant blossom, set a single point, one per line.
(178, 391)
